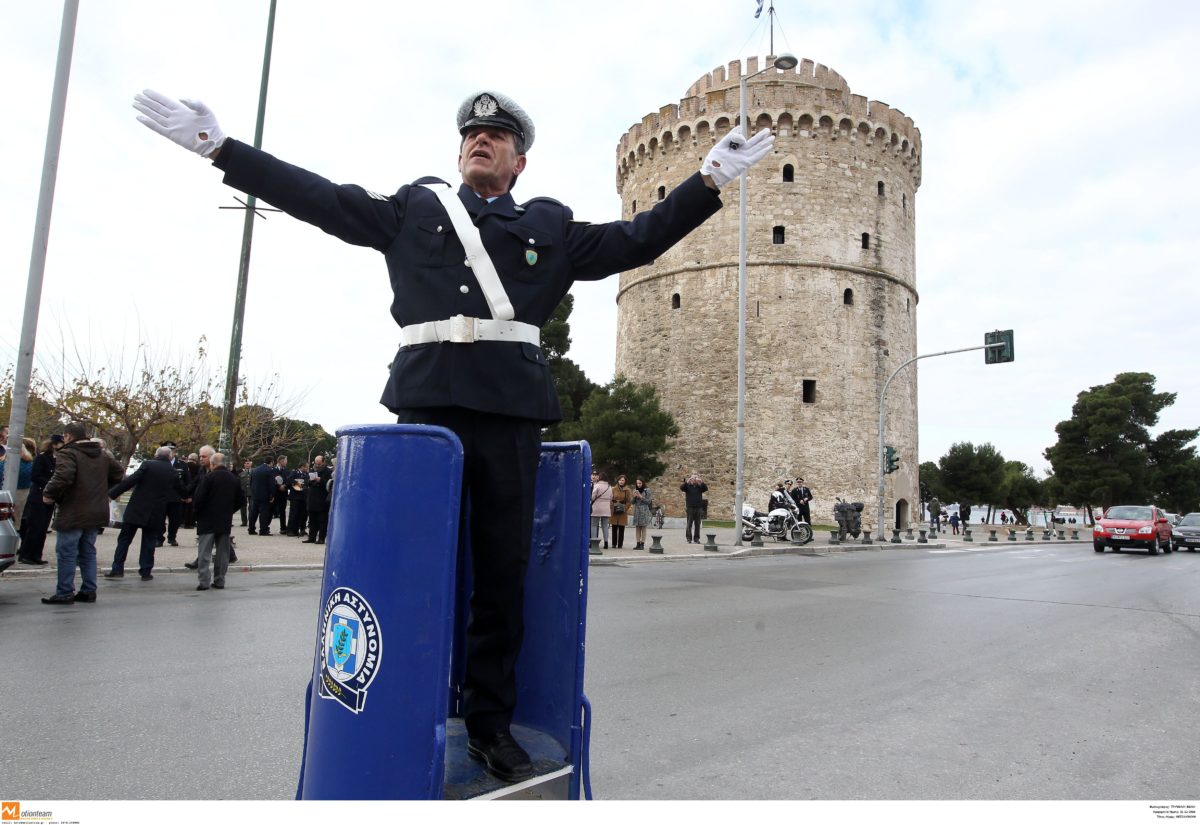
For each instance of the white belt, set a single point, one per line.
(466, 330)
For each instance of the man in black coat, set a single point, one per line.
(262, 491)
(218, 496)
(318, 501)
(174, 499)
(279, 501)
(470, 356)
(297, 500)
(154, 484)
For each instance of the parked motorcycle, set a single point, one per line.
(849, 518)
(780, 523)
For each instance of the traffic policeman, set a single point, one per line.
(474, 276)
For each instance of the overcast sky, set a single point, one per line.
(1059, 193)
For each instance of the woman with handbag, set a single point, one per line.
(601, 507)
(622, 501)
(643, 504)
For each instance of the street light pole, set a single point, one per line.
(41, 240)
(225, 440)
(783, 61)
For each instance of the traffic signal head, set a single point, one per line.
(891, 459)
(1001, 354)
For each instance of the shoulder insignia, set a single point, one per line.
(377, 196)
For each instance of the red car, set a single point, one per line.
(1133, 526)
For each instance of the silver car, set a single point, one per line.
(9, 540)
(1187, 532)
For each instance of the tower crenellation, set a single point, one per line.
(831, 284)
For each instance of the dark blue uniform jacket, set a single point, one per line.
(537, 248)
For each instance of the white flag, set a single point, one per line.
(758, 11)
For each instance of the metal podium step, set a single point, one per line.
(469, 779)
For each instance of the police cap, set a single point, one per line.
(489, 108)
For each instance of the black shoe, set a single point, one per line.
(505, 759)
(87, 598)
(266, 534)
(37, 562)
(147, 577)
(201, 587)
(172, 542)
(252, 533)
(57, 599)
(309, 541)
(606, 545)
(112, 574)
(158, 544)
(320, 541)
(191, 565)
(219, 586)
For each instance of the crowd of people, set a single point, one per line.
(66, 487)
(617, 506)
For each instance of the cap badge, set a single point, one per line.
(530, 257)
(485, 106)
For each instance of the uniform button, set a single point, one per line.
(464, 289)
(467, 262)
(439, 229)
(531, 240)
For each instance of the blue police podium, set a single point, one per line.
(382, 712)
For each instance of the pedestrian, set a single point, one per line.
(316, 503)
(622, 503)
(194, 466)
(693, 488)
(802, 495)
(262, 490)
(24, 479)
(218, 496)
(35, 521)
(83, 472)
(470, 355)
(244, 480)
(175, 502)
(954, 523)
(279, 498)
(199, 470)
(643, 506)
(297, 501)
(153, 483)
(601, 507)
(935, 514)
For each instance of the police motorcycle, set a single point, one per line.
(849, 518)
(783, 521)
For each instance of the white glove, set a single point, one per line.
(189, 123)
(733, 155)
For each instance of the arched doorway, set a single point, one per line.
(902, 516)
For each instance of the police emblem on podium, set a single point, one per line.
(351, 647)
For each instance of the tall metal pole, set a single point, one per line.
(882, 413)
(741, 364)
(41, 240)
(225, 441)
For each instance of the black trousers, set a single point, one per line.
(174, 516)
(145, 551)
(297, 516)
(260, 515)
(35, 521)
(318, 521)
(279, 510)
(691, 530)
(499, 474)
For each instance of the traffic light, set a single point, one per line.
(998, 355)
(891, 460)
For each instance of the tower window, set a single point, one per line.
(881, 189)
(866, 240)
(633, 208)
(848, 297)
(675, 301)
(777, 235)
(662, 192)
(789, 173)
(810, 391)
(904, 202)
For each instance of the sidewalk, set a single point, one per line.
(279, 552)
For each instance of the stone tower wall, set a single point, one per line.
(822, 310)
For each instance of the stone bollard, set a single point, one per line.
(895, 535)
(712, 542)
(908, 534)
(1012, 534)
(866, 537)
(757, 540)
(1062, 535)
(1047, 535)
(1074, 534)
(1029, 534)
(992, 535)
(656, 545)
(967, 534)
(833, 537)
(594, 547)
(921, 538)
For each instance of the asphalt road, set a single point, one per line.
(1040, 672)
